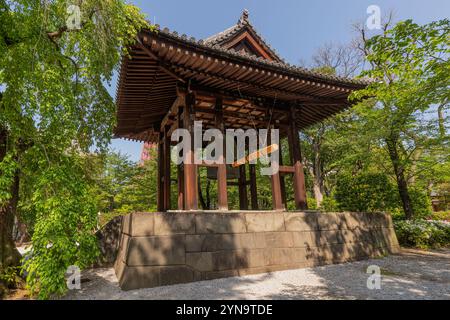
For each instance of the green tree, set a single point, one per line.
(409, 67)
(327, 145)
(53, 108)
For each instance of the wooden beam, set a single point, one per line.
(160, 64)
(222, 202)
(180, 169)
(276, 187)
(253, 188)
(296, 156)
(190, 169)
(243, 198)
(160, 200)
(282, 180)
(173, 111)
(239, 115)
(287, 169)
(167, 182)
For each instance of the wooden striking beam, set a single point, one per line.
(256, 155)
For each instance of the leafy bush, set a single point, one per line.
(329, 204)
(64, 230)
(366, 192)
(10, 276)
(312, 204)
(105, 217)
(422, 233)
(439, 216)
(375, 192)
(421, 202)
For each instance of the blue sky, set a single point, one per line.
(295, 28)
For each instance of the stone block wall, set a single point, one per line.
(159, 249)
(108, 239)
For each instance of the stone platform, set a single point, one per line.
(159, 249)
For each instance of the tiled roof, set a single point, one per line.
(242, 24)
(280, 65)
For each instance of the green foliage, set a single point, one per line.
(53, 100)
(329, 204)
(421, 202)
(55, 109)
(10, 276)
(64, 229)
(312, 205)
(8, 168)
(422, 233)
(409, 66)
(123, 186)
(439, 216)
(366, 193)
(397, 133)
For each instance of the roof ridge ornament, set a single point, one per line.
(244, 17)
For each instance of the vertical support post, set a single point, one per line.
(282, 179)
(160, 200)
(243, 198)
(166, 181)
(296, 156)
(253, 188)
(222, 168)
(190, 169)
(180, 168)
(276, 186)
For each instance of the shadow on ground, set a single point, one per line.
(412, 274)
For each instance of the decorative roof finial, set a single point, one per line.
(244, 17)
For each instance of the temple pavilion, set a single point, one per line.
(233, 79)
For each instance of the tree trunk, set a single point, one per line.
(318, 175)
(20, 234)
(402, 184)
(318, 188)
(316, 170)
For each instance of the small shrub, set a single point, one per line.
(312, 204)
(439, 216)
(423, 233)
(397, 214)
(421, 203)
(10, 276)
(366, 192)
(329, 204)
(105, 217)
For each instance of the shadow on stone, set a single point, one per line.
(158, 249)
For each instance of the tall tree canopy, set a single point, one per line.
(410, 68)
(55, 58)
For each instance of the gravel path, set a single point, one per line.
(411, 275)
